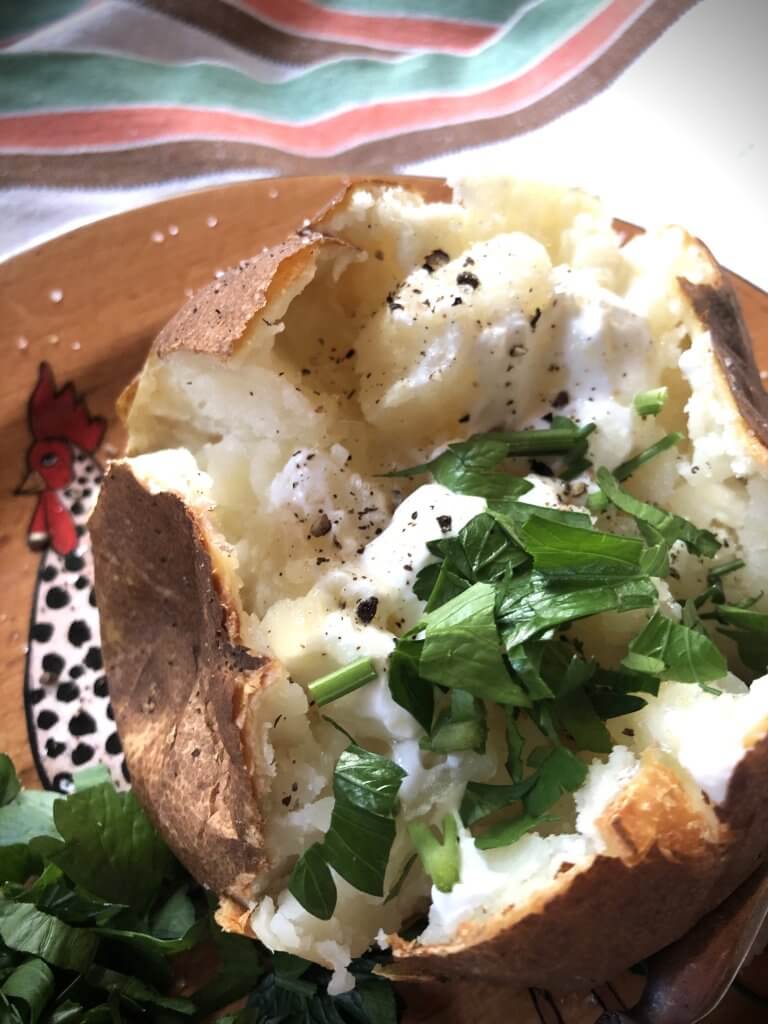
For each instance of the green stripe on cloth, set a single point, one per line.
(45, 81)
(495, 12)
(20, 16)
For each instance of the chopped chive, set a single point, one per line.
(650, 403)
(722, 570)
(574, 469)
(597, 502)
(439, 857)
(553, 441)
(713, 594)
(342, 681)
(628, 468)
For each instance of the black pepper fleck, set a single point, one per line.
(366, 609)
(561, 398)
(437, 258)
(467, 277)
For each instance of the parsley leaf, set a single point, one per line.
(462, 726)
(462, 648)
(675, 651)
(362, 828)
(407, 687)
(27, 816)
(469, 467)
(361, 833)
(561, 551)
(488, 551)
(30, 985)
(531, 604)
(669, 526)
(439, 856)
(515, 743)
(28, 930)
(296, 993)
(482, 799)
(577, 716)
(9, 782)
(505, 833)
(312, 883)
(750, 633)
(110, 847)
(516, 515)
(559, 771)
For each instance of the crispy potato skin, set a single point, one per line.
(717, 308)
(214, 320)
(179, 682)
(177, 675)
(676, 861)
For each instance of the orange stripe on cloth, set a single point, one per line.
(304, 18)
(133, 126)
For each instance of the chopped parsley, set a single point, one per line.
(500, 597)
(360, 836)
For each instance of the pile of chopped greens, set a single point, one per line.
(500, 598)
(99, 924)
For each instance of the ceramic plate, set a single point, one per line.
(78, 316)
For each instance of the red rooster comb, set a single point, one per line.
(61, 414)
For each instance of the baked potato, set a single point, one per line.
(300, 476)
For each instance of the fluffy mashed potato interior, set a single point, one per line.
(512, 303)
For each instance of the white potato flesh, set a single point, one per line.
(372, 365)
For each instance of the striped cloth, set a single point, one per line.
(117, 102)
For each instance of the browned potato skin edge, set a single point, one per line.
(178, 678)
(177, 699)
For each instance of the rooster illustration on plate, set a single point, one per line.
(66, 696)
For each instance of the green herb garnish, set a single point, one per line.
(342, 681)
(296, 993)
(408, 689)
(625, 469)
(312, 883)
(462, 648)
(461, 726)
(470, 467)
(671, 527)
(360, 837)
(530, 605)
(598, 501)
(749, 630)
(439, 856)
(94, 907)
(650, 403)
(675, 651)
(482, 799)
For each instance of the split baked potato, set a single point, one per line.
(260, 535)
